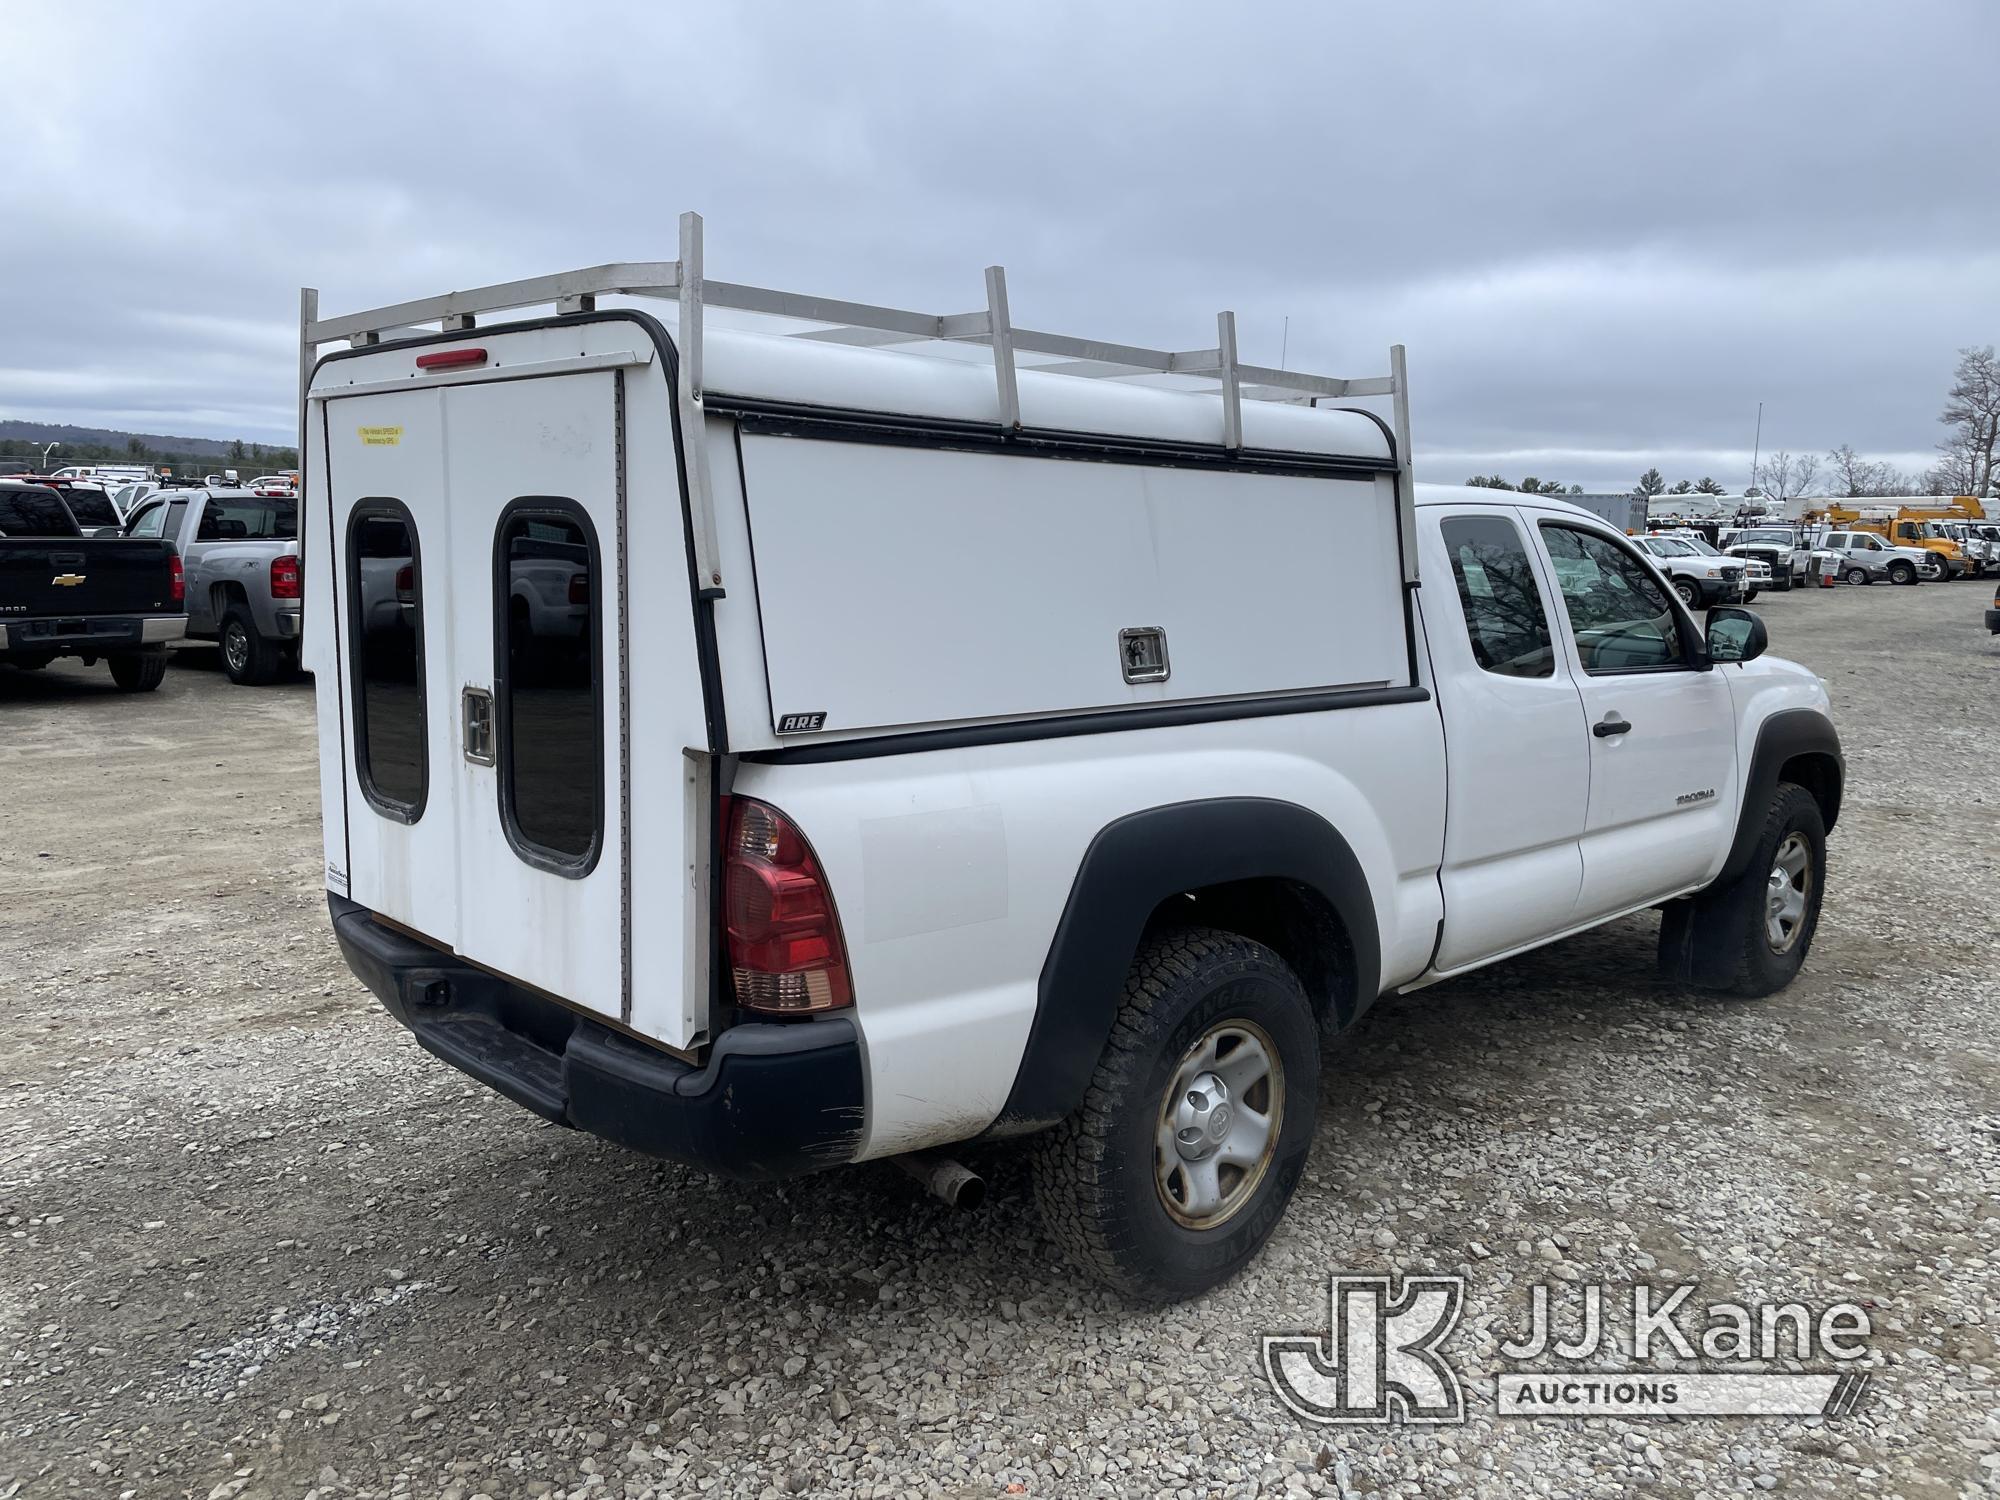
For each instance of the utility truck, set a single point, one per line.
(873, 731)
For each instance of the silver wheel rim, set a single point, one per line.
(1934, 567)
(236, 648)
(1788, 893)
(1219, 1124)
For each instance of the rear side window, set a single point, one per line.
(148, 521)
(549, 707)
(239, 520)
(1619, 614)
(386, 629)
(1504, 612)
(34, 513)
(91, 507)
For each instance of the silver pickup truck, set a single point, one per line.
(244, 587)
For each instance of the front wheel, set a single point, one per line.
(1749, 596)
(1191, 1137)
(1750, 937)
(1690, 595)
(1935, 570)
(1902, 572)
(139, 671)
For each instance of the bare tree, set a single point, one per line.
(1851, 473)
(1972, 411)
(1785, 476)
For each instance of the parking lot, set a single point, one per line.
(257, 1243)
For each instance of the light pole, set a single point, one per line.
(45, 455)
(1756, 449)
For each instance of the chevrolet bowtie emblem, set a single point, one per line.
(67, 580)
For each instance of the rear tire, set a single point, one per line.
(1149, 1186)
(139, 671)
(1690, 595)
(1856, 575)
(248, 658)
(1750, 937)
(1902, 572)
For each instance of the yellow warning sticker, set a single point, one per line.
(380, 437)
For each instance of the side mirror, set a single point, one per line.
(1736, 635)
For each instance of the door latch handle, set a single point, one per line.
(1607, 727)
(476, 722)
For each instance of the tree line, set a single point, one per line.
(1968, 459)
(133, 451)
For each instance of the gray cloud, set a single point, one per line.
(1605, 233)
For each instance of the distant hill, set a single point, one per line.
(105, 437)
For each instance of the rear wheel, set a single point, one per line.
(248, 657)
(139, 671)
(1190, 1140)
(1900, 571)
(1750, 936)
(1856, 575)
(1690, 595)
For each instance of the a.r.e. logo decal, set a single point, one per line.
(801, 723)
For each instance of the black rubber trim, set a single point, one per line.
(570, 865)
(1067, 726)
(841, 425)
(1785, 735)
(771, 1100)
(1132, 866)
(389, 508)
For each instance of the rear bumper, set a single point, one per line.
(771, 1100)
(91, 635)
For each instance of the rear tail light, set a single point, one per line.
(786, 952)
(177, 584)
(579, 588)
(286, 582)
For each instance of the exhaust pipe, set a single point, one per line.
(954, 1182)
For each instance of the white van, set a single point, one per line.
(778, 749)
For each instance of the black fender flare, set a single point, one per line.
(1131, 866)
(1783, 737)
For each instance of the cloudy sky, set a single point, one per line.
(1605, 232)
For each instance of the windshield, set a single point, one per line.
(91, 507)
(1700, 545)
(1783, 538)
(1667, 546)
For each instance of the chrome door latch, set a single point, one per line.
(477, 722)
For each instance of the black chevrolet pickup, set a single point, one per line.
(119, 599)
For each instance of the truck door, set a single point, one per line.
(1662, 741)
(544, 742)
(1516, 749)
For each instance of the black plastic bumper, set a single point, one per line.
(771, 1100)
(1993, 620)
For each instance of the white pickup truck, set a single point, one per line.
(954, 749)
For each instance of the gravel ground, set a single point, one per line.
(256, 1243)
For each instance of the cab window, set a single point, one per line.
(1504, 614)
(148, 521)
(1620, 617)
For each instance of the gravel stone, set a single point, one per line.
(255, 1243)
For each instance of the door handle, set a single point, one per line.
(476, 724)
(1609, 725)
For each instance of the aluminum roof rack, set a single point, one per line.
(866, 325)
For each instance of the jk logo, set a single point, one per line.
(1379, 1361)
